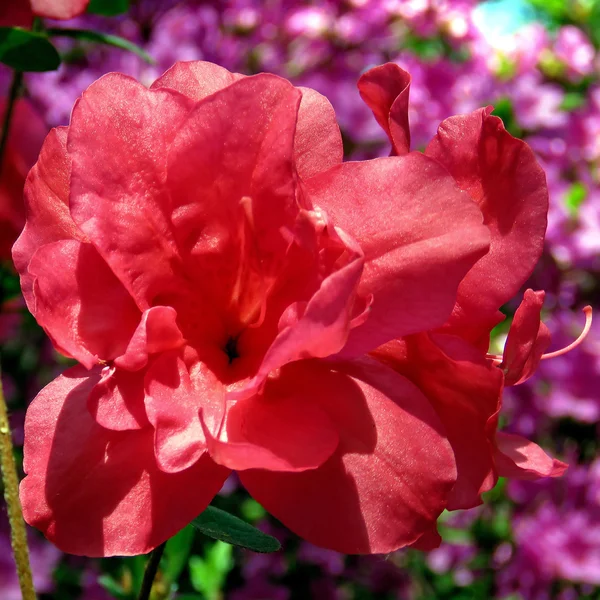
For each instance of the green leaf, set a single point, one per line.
(87, 35)
(574, 198)
(24, 50)
(220, 525)
(251, 510)
(572, 101)
(208, 574)
(108, 8)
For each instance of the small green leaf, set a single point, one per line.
(108, 8)
(208, 574)
(88, 35)
(251, 510)
(24, 50)
(221, 525)
(574, 198)
(572, 101)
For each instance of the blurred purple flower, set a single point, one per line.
(43, 557)
(574, 49)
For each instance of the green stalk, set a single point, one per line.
(150, 572)
(10, 479)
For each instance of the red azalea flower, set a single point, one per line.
(220, 274)
(26, 137)
(21, 12)
(450, 364)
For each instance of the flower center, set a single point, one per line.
(231, 349)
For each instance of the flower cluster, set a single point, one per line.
(239, 298)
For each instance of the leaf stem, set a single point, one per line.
(13, 94)
(11, 495)
(150, 572)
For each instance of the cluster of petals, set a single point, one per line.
(238, 298)
(22, 12)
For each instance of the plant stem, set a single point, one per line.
(15, 88)
(11, 495)
(150, 572)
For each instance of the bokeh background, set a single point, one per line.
(538, 63)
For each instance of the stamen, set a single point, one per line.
(497, 358)
(586, 329)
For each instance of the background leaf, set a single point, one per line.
(24, 50)
(223, 526)
(208, 574)
(108, 8)
(88, 35)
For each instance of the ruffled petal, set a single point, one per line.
(389, 479)
(174, 398)
(504, 178)
(232, 183)
(196, 79)
(419, 233)
(117, 180)
(318, 329)
(157, 332)
(58, 9)
(117, 400)
(528, 338)
(72, 308)
(236, 144)
(282, 429)
(385, 90)
(519, 458)
(318, 142)
(97, 492)
(465, 390)
(430, 540)
(47, 207)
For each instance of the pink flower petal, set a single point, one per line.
(465, 390)
(385, 90)
(157, 332)
(318, 141)
(58, 9)
(117, 180)
(282, 429)
(16, 14)
(519, 458)
(528, 338)
(381, 490)
(98, 492)
(322, 327)
(117, 400)
(174, 399)
(72, 308)
(196, 79)
(504, 178)
(232, 185)
(47, 204)
(420, 236)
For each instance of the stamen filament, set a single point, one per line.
(586, 329)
